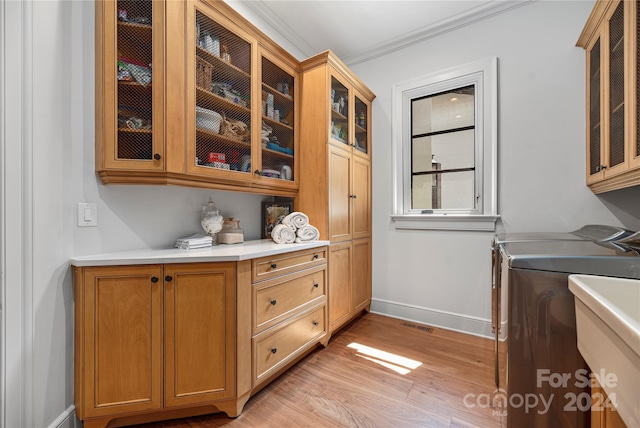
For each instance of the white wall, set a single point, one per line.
(444, 277)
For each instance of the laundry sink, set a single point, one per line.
(608, 324)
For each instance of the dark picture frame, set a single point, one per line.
(272, 214)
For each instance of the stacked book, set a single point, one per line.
(194, 241)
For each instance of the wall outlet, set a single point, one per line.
(87, 214)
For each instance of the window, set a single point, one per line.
(445, 149)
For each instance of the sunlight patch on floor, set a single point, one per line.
(397, 363)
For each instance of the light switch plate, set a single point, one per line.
(87, 214)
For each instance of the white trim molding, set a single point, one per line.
(483, 74)
(482, 223)
(16, 214)
(448, 320)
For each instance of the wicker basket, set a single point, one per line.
(204, 74)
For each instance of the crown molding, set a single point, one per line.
(478, 13)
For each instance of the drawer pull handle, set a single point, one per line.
(168, 278)
(273, 265)
(316, 285)
(154, 279)
(273, 302)
(315, 256)
(274, 350)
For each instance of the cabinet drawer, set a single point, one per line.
(274, 300)
(274, 349)
(280, 264)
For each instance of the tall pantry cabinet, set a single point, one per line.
(335, 182)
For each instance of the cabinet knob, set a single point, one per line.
(352, 196)
(168, 278)
(154, 279)
(273, 302)
(315, 256)
(273, 265)
(315, 323)
(157, 156)
(316, 285)
(274, 350)
(600, 168)
(257, 172)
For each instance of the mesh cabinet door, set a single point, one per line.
(130, 99)
(222, 109)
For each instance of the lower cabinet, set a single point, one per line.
(603, 412)
(199, 332)
(155, 342)
(290, 307)
(118, 340)
(349, 281)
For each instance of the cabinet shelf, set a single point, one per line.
(133, 85)
(220, 67)
(360, 129)
(278, 96)
(338, 116)
(206, 136)
(215, 102)
(135, 30)
(618, 107)
(276, 154)
(272, 122)
(135, 131)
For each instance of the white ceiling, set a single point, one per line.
(357, 30)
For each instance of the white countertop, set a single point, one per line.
(218, 253)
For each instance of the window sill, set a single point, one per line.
(483, 223)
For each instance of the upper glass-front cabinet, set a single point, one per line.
(350, 117)
(222, 107)
(339, 102)
(278, 119)
(361, 123)
(612, 43)
(129, 100)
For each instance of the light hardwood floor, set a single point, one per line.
(350, 384)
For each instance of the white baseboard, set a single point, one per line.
(447, 320)
(67, 419)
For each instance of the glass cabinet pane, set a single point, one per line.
(361, 119)
(223, 97)
(277, 110)
(339, 99)
(134, 77)
(616, 87)
(594, 109)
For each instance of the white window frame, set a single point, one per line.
(484, 75)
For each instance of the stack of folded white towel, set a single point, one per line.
(294, 228)
(194, 241)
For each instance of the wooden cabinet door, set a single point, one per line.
(339, 195)
(339, 292)
(361, 281)
(199, 332)
(595, 114)
(220, 61)
(361, 198)
(129, 96)
(123, 339)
